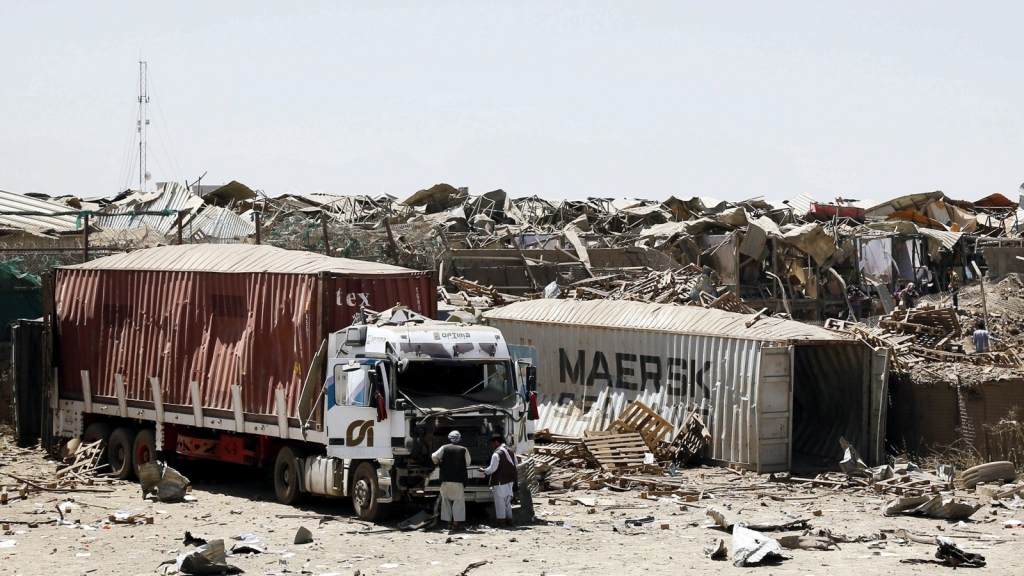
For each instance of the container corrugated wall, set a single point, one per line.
(671, 373)
(257, 330)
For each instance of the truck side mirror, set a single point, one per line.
(531, 378)
(403, 365)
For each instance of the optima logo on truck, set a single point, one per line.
(365, 432)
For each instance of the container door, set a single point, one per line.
(775, 409)
(879, 401)
(353, 430)
(29, 380)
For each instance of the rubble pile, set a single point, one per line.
(796, 256)
(927, 333)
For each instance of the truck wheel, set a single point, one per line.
(143, 449)
(97, 431)
(288, 477)
(365, 492)
(119, 453)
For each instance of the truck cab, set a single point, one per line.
(396, 384)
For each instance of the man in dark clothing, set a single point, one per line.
(454, 462)
(854, 294)
(502, 472)
(954, 287)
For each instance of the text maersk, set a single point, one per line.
(633, 371)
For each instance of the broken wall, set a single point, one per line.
(926, 418)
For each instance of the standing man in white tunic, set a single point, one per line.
(453, 461)
(502, 472)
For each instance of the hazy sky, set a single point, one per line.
(559, 99)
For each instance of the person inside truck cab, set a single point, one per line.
(496, 379)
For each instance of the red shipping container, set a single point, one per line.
(218, 315)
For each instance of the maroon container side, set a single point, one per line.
(257, 330)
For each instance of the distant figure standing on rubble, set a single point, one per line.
(908, 296)
(954, 287)
(854, 294)
(981, 338)
(705, 284)
(503, 474)
(454, 462)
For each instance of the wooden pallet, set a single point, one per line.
(693, 436)
(637, 417)
(619, 450)
(558, 450)
(731, 303)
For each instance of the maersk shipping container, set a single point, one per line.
(768, 391)
(222, 330)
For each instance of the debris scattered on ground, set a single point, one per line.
(949, 554)
(717, 551)
(303, 536)
(207, 559)
(750, 547)
(935, 506)
(165, 482)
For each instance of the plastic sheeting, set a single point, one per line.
(876, 258)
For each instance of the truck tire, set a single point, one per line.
(119, 453)
(97, 431)
(365, 492)
(143, 449)
(989, 472)
(288, 477)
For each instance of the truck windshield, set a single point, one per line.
(480, 382)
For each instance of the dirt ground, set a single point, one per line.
(567, 540)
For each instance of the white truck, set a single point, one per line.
(396, 385)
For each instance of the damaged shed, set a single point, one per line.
(771, 390)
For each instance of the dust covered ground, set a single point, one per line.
(568, 539)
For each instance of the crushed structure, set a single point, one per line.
(841, 263)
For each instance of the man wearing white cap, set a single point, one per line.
(453, 461)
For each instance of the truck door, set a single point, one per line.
(353, 430)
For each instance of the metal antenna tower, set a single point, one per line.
(142, 123)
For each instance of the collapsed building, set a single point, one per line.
(761, 261)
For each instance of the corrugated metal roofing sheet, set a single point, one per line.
(910, 201)
(220, 225)
(172, 197)
(235, 258)
(946, 239)
(11, 202)
(661, 317)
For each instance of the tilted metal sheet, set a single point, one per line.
(257, 330)
(219, 225)
(599, 370)
(171, 196)
(671, 318)
(12, 202)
